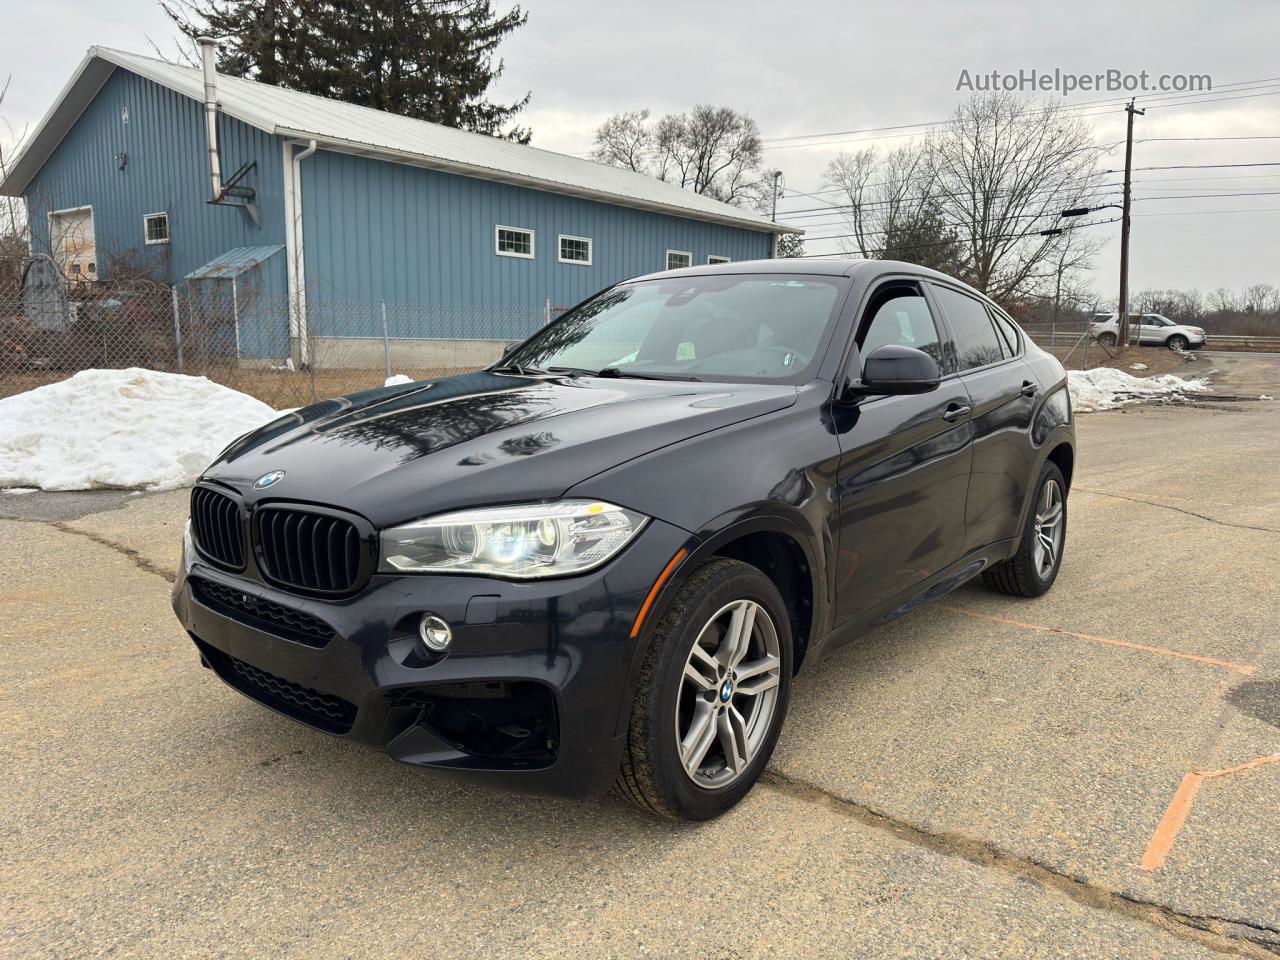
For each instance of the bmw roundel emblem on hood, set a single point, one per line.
(268, 480)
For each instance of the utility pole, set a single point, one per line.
(1123, 306)
(777, 177)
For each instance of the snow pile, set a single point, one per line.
(120, 428)
(396, 380)
(1106, 388)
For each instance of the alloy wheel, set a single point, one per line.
(1049, 527)
(728, 694)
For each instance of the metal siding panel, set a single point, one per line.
(378, 230)
(164, 141)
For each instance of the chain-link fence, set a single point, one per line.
(284, 351)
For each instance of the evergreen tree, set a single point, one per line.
(427, 59)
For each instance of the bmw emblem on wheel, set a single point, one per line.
(268, 480)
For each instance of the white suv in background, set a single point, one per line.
(1152, 330)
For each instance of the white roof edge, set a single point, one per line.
(18, 178)
(75, 98)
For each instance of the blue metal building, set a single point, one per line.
(336, 210)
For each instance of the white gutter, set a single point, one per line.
(295, 255)
(208, 50)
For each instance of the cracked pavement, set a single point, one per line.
(979, 779)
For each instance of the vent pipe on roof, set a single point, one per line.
(208, 50)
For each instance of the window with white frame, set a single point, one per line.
(155, 227)
(513, 242)
(575, 250)
(679, 258)
(715, 259)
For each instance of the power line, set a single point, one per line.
(958, 241)
(1203, 213)
(1182, 139)
(1211, 166)
(1201, 196)
(1149, 180)
(1155, 98)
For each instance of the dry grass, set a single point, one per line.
(277, 388)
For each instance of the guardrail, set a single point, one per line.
(1234, 339)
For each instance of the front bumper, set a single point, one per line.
(532, 693)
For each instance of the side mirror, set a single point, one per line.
(893, 369)
(506, 351)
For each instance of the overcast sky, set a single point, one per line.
(802, 68)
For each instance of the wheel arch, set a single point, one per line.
(780, 558)
(777, 546)
(1064, 455)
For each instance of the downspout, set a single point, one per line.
(208, 49)
(298, 327)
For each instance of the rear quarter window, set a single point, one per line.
(974, 335)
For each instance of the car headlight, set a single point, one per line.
(523, 542)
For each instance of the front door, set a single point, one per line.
(904, 467)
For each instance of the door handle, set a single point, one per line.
(955, 411)
(1029, 389)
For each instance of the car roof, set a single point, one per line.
(812, 266)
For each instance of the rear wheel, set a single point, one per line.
(1107, 339)
(1177, 343)
(713, 693)
(1032, 570)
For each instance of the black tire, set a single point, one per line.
(1020, 576)
(1107, 339)
(651, 775)
(1177, 342)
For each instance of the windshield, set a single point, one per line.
(718, 327)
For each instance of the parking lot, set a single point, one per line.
(1086, 774)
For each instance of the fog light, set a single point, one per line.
(435, 632)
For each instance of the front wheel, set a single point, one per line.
(713, 693)
(1177, 343)
(1032, 570)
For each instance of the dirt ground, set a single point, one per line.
(1095, 773)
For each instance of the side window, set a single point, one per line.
(976, 342)
(900, 315)
(1008, 332)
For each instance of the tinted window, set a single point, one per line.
(901, 317)
(976, 343)
(1007, 330)
(714, 327)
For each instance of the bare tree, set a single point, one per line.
(715, 151)
(892, 208)
(14, 241)
(1003, 169)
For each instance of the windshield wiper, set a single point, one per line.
(521, 369)
(636, 375)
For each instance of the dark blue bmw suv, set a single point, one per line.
(602, 560)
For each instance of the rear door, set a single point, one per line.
(904, 464)
(1002, 393)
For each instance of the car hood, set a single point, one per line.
(399, 453)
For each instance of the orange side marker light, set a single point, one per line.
(653, 591)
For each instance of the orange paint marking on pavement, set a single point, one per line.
(1211, 661)
(1175, 815)
(1244, 766)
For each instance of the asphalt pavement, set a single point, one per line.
(986, 777)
